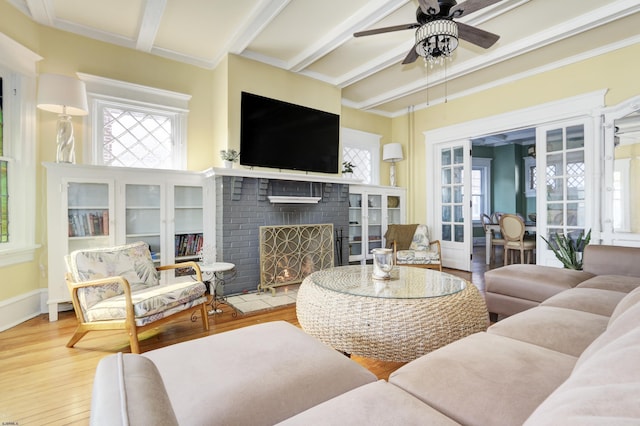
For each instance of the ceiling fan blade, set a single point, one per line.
(470, 6)
(386, 30)
(411, 56)
(476, 36)
(429, 7)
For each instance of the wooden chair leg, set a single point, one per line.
(133, 338)
(205, 316)
(521, 255)
(77, 335)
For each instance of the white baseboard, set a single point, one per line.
(21, 308)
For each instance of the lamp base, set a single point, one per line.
(392, 174)
(64, 138)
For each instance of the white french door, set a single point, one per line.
(565, 195)
(452, 207)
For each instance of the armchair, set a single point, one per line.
(118, 288)
(412, 247)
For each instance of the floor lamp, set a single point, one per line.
(65, 96)
(391, 153)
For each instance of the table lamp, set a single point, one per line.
(65, 96)
(392, 152)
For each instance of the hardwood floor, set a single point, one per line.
(42, 382)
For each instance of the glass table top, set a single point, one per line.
(405, 283)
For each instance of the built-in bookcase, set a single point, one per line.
(94, 206)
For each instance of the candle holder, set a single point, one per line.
(382, 263)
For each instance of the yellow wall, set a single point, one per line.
(616, 71)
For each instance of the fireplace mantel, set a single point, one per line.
(299, 177)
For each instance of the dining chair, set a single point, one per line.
(512, 228)
(496, 239)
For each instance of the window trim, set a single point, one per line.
(18, 67)
(366, 141)
(483, 164)
(101, 90)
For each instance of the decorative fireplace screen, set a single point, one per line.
(289, 253)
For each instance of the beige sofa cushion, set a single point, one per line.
(593, 300)
(612, 282)
(257, 375)
(559, 329)
(377, 403)
(624, 319)
(603, 390)
(485, 379)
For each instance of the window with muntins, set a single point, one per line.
(135, 126)
(362, 149)
(136, 137)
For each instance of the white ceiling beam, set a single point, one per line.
(372, 12)
(42, 11)
(150, 23)
(265, 12)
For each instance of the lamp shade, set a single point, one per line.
(62, 94)
(392, 152)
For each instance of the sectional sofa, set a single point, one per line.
(573, 359)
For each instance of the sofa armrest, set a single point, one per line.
(74, 287)
(128, 390)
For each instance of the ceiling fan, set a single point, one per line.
(437, 33)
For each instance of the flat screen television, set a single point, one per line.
(282, 135)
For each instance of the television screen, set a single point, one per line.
(282, 135)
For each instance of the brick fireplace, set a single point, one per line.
(244, 204)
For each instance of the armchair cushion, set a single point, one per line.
(420, 241)
(132, 262)
(150, 304)
(417, 257)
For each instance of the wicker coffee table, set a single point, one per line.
(415, 312)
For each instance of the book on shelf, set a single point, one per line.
(188, 244)
(85, 224)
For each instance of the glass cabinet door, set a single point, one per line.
(143, 216)
(374, 222)
(89, 212)
(355, 226)
(188, 222)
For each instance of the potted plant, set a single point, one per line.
(229, 156)
(347, 168)
(569, 251)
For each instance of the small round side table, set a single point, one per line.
(215, 270)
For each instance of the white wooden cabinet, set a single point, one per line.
(371, 209)
(95, 206)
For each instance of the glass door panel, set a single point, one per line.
(188, 222)
(89, 212)
(355, 226)
(374, 222)
(143, 216)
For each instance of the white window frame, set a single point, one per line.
(531, 188)
(483, 164)
(107, 92)
(622, 195)
(18, 70)
(365, 141)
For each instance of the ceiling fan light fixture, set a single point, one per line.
(436, 40)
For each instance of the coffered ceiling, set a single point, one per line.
(315, 38)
